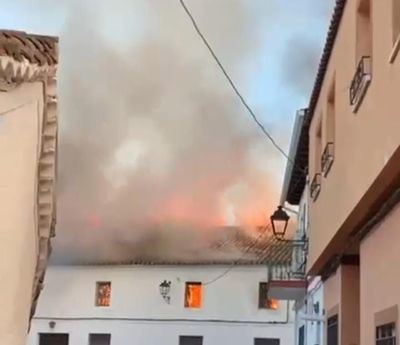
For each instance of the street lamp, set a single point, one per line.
(165, 287)
(279, 222)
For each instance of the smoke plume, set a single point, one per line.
(155, 151)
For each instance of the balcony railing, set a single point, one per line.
(299, 261)
(288, 282)
(360, 82)
(315, 187)
(327, 158)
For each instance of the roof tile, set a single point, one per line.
(36, 49)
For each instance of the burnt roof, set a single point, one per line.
(298, 178)
(234, 247)
(36, 49)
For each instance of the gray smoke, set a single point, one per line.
(300, 63)
(155, 150)
(153, 143)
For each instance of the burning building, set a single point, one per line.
(28, 149)
(219, 298)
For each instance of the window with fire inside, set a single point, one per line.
(263, 301)
(103, 294)
(193, 295)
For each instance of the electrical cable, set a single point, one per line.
(252, 115)
(235, 89)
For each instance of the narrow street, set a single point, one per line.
(208, 172)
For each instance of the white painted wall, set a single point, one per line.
(21, 112)
(139, 315)
(313, 330)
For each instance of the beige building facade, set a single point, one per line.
(28, 148)
(350, 148)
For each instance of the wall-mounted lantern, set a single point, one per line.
(165, 288)
(279, 222)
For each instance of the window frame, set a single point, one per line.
(332, 323)
(263, 301)
(364, 30)
(275, 341)
(395, 31)
(193, 337)
(98, 334)
(385, 340)
(187, 284)
(329, 129)
(42, 335)
(97, 290)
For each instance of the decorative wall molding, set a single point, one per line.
(27, 59)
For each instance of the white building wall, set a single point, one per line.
(313, 330)
(21, 118)
(139, 315)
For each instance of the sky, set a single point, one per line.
(152, 139)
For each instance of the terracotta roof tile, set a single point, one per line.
(36, 49)
(235, 246)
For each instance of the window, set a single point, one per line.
(363, 71)
(328, 153)
(396, 20)
(266, 341)
(318, 146)
(395, 29)
(193, 295)
(190, 340)
(315, 186)
(263, 301)
(386, 334)
(103, 294)
(332, 330)
(364, 30)
(99, 339)
(53, 339)
(330, 114)
(301, 335)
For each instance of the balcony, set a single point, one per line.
(289, 290)
(327, 158)
(299, 261)
(315, 187)
(360, 83)
(289, 282)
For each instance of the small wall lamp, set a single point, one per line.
(165, 288)
(52, 324)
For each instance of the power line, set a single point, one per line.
(232, 84)
(252, 115)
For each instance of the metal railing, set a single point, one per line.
(327, 158)
(315, 186)
(280, 272)
(360, 80)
